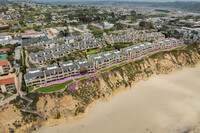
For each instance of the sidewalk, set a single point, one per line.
(8, 99)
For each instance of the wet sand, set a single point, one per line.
(164, 104)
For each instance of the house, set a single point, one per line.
(7, 17)
(5, 39)
(7, 83)
(33, 36)
(4, 50)
(5, 66)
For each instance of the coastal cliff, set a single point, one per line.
(73, 103)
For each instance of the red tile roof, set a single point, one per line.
(3, 62)
(4, 49)
(7, 81)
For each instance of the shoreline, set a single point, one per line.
(114, 94)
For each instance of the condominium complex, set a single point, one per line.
(36, 76)
(89, 44)
(67, 40)
(133, 36)
(85, 42)
(41, 57)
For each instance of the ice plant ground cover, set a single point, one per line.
(62, 84)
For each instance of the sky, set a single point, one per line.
(114, 0)
(127, 0)
(132, 0)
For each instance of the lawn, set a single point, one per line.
(121, 45)
(30, 89)
(146, 56)
(180, 48)
(108, 69)
(92, 52)
(123, 63)
(77, 79)
(54, 87)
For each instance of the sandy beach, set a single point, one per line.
(164, 104)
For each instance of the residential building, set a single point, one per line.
(36, 76)
(133, 36)
(7, 83)
(5, 66)
(33, 36)
(4, 50)
(53, 72)
(41, 57)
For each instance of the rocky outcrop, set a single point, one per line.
(73, 102)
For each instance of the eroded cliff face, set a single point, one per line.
(73, 103)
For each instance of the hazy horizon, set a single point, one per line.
(125, 0)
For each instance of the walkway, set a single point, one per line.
(18, 80)
(8, 99)
(26, 109)
(26, 59)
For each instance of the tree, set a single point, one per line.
(146, 25)
(37, 28)
(63, 33)
(1, 46)
(23, 69)
(9, 52)
(163, 28)
(97, 32)
(133, 14)
(113, 14)
(48, 16)
(11, 59)
(111, 29)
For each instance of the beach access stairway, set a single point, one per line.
(28, 110)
